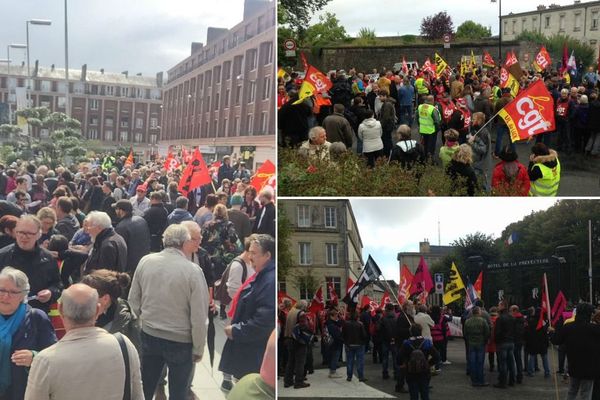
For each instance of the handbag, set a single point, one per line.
(125, 353)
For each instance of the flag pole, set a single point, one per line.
(490, 120)
(396, 298)
(549, 315)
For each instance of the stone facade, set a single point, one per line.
(431, 254)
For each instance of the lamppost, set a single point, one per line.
(67, 108)
(27, 23)
(499, 28)
(14, 46)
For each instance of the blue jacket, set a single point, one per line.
(35, 333)
(253, 322)
(178, 216)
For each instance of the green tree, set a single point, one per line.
(367, 33)
(472, 30)
(297, 13)
(284, 253)
(327, 30)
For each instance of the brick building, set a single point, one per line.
(114, 109)
(222, 97)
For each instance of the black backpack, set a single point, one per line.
(220, 291)
(417, 362)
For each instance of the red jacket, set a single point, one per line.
(502, 186)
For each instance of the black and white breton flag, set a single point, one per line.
(370, 273)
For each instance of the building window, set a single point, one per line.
(123, 136)
(330, 217)
(224, 127)
(252, 92)
(238, 94)
(62, 87)
(93, 120)
(227, 70)
(523, 25)
(109, 122)
(267, 88)
(250, 124)
(215, 128)
(506, 27)
(78, 87)
(124, 92)
(109, 90)
(534, 24)
(140, 93)
(208, 79)
(305, 257)
(217, 75)
(594, 20)
(331, 249)
(303, 216)
(155, 94)
(108, 135)
(252, 64)
(93, 104)
(207, 104)
(561, 23)
(226, 103)
(547, 23)
(264, 121)
(269, 56)
(514, 27)
(46, 86)
(93, 133)
(124, 122)
(337, 284)
(237, 125)
(139, 123)
(153, 122)
(282, 287)
(138, 137)
(305, 292)
(217, 98)
(577, 26)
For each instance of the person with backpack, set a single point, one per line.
(476, 332)
(417, 355)
(240, 269)
(354, 334)
(386, 328)
(403, 324)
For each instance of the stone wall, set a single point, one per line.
(367, 58)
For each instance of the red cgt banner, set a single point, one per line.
(265, 176)
(530, 113)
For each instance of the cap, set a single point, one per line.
(236, 200)
(141, 188)
(124, 205)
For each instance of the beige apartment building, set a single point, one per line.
(222, 97)
(579, 20)
(326, 247)
(114, 109)
(431, 254)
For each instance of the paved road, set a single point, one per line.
(452, 383)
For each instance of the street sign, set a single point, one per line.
(439, 283)
(446, 38)
(289, 44)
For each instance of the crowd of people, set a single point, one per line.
(111, 280)
(400, 116)
(411, 341)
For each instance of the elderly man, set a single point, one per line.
(252, 314)
(134, 230)
(265, 220)
(60, 372)
(170, 295)
(317, 145)
(337, 126)
(109, 250)
(140, 202)
(36, 262)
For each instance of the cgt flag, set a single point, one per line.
(385, 300)
(429, 67)
(454, 287)
(265, 176)
(507, 80)
(530, 113)
(317, 304)
(171, 162)
(406, 278)
(542, 60)
(370, 274)
(195, 174)
(314, 82)
(349, 284)
(129, 161)
(478, 284)
(488, 60)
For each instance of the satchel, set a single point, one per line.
(220, 290)
(125, 353)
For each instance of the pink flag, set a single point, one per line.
(422, 281)
(560, 303)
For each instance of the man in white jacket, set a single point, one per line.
(423, 319)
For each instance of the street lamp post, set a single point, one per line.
(499, 28)
(32, 22)
(67, 108)
(14, 46)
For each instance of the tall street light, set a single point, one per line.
(499, 29)
(27, 23)
(14, 46)
(67, 108)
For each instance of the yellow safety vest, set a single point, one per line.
(547, 185)
(426, 123)
(420, 85)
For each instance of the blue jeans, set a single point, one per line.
(519, 360)
(476, 360)
(406, 115)
(355, 352)
(533, 359)
(419, 386)
(388, 349)
(157, 352)
(506, 362)
(501, 131)
(584, 387)
(334, 355)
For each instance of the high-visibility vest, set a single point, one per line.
(547, 185)
(420, 85)
(426, 123)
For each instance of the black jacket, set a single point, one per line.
(408, 153)
(505, 328)
(460, 171)
(354, 333)
(386, 327)
(403, 323)
(41, 270)
(68, 226)
(581, 339)
(267, 224)
(109, 251)
(156, 218)
(134, 230)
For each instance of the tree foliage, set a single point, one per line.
(284, 253)
(436, 26)
(297, 13)
(327, 30)
(472, 30)
(584, 52)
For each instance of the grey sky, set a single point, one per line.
(390, 226)
(146, 36)
(392, 17)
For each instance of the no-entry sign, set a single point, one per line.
(289, 44)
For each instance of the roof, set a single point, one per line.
(553, 9)
(75, 75)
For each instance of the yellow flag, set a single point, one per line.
(463, 66)
(440, 64)
(473, 63)
(567, 78)
(455, 287)
(513, 84)
(281, 73)
(306, 90)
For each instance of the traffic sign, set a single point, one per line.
(289, 44)
(439, 283)
(446, 38)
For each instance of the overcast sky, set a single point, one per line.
(390, 226)
(146, 36)
(392, 17)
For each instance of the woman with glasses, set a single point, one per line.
(24, 331)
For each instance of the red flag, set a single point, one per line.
(542, 60)
(385, 300)
(264, 176)
(406, 278)
(422, 281)
(488, 60)
(429, 67)
(349, 284)
(129, 160)
(530, 113)
(184, 154)
(331, 294)
(171, 162)
(304, 61)
(404, 66)
(317, 304)
(545, 306)
(195, 174)
(365, 301)
(374, 307)
(511, 59)
(422, 298)
(560, 303)
(479, 284)
(281, 295)
(318, 80)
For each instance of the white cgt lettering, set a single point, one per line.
(320, 85)
(532, 120)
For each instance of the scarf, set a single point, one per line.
(236, 297)
(8, 327)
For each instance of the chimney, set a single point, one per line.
(102, 71)
(52, 68)
(138, 74)
(159, 79)
(424, 246)
(196, 47)
(84, 72)
(126, 73)
(36, 68)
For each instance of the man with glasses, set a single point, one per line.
(36, 262)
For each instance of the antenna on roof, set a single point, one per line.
(439, 233)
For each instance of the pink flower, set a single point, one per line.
(311, 169)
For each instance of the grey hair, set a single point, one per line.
(175, 236)
(337, 148)
(315, 132)
(265, 242)
(99, 219)
(79, 313)
(191, 225)
(301, 305)
(18, 278)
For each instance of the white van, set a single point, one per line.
(411, 65)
